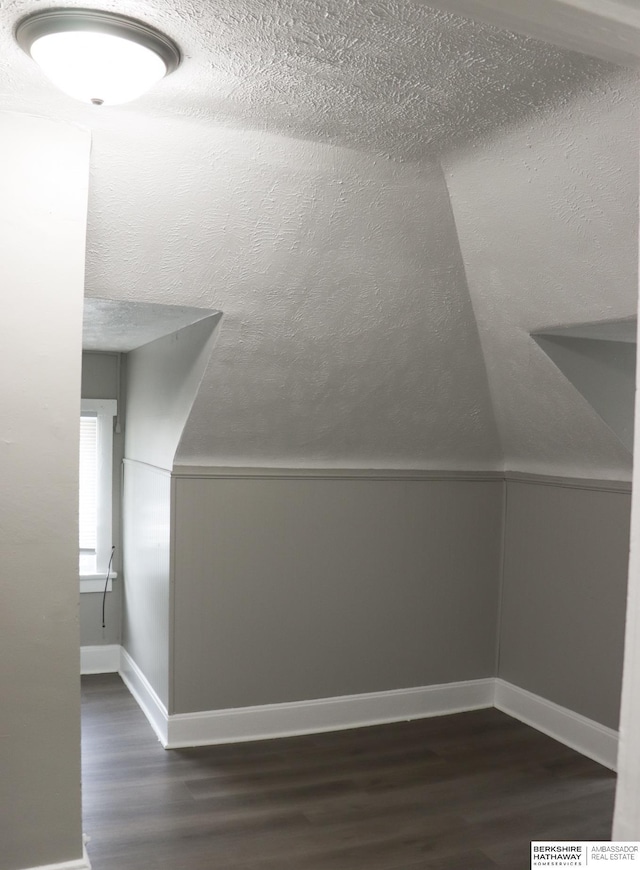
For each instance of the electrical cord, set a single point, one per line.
(106, 584)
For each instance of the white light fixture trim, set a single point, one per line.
(97, 57)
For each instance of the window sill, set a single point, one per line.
(96, 582)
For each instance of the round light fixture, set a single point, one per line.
(97, 57)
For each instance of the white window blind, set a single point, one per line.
(88, 482)
(96, 464)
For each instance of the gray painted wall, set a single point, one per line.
(290, 588)
(91, 631)
(145, 623)
(564, 595)
(162, 380)
(100, 374)
(314, 587)
(44, 171)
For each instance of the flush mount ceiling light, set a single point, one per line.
(97, 57)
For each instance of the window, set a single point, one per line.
(96, 462)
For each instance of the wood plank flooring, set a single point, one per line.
(464, 792)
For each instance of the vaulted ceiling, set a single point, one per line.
(384, 199)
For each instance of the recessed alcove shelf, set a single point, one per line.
(121, 326)
(599, 359)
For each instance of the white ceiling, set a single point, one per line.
(289, 174)
(609, 30)
(391, 76)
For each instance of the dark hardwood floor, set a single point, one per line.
(463, 792)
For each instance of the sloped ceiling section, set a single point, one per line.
(348, 337)
(547, 218)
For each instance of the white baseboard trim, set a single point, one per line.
(145, 695)
(270, 721)
(100, 659)
(79, 864)
(326, 714)
(584, 735)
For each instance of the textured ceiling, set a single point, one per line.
(393, 77)
(610, 29)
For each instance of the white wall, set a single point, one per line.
(44, 171)
(626, 822)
